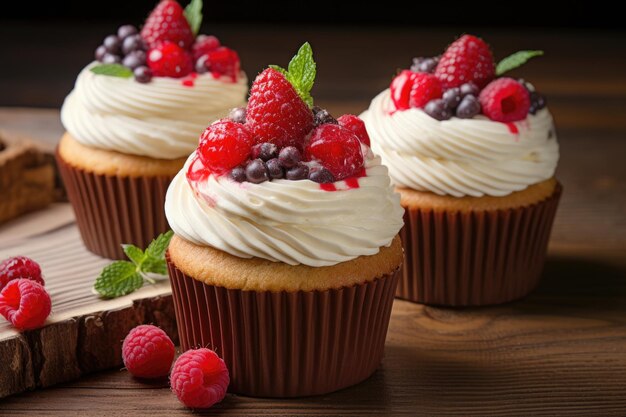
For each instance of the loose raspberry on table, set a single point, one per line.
(167, 23)
(169, 60)
(19, 267)
(148, 352)
(199, 378)
(505, 100)
(356, 125)
(466, 59)
(224, 145)
(25, 303)
(275, 111)
(414, 89)
(337, 149)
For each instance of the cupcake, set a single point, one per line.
(286, 252)
(132, 119)
(473, 155)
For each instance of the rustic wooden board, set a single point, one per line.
(83, 333)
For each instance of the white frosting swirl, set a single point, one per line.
(160, 119)
(459, 157)
(295, 222)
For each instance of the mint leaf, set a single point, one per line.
(134, 254)
(112, 70)
(119, 278)
(193, 14)
(279, 69)
(516, 60)
(123, 277)
(301, 73)
(156, 249)
(155, 266)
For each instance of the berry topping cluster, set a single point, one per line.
(463, 83)
(281, 135)
(167, 46)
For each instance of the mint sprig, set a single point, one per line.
(193, 14)
(123, 277)
(515, 60)
(112, 70)
(301, 72)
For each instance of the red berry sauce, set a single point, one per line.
(512, 128)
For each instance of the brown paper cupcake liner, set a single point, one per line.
(112, 210)
(287, 344)
(474, 258)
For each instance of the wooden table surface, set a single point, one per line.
(561, 351)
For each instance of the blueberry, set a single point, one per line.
(126, 31)
(298, 172)
(274, 169)
(111, 59)
(316, 109)
(437, 109)
(100, 52)
(142, 74)
(323, 117)
(289, 157)
(256, 172)
(112, 43)
(134, 60)
(321, 175)
(539, 99)
(428, 65)
(238, 174)
(265, 151)
(200, 65)
(133, 43)
(452, 97)
(238, 115)
(468, 107)
(416, 63)
(469, 88)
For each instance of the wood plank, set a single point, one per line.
(560, 351)
(83, 333)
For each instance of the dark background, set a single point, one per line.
(44, 45)
(504, 13)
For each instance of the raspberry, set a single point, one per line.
(199, 378)
(148, 352)
(25, 303)
(224, 145)
(203, 45)
(169, 60)
(276, 113)
(505, 100)
(19, 267)
(337, 148)
(356, 125)
(223, 61)
(167, 23)
(414, 89)
(466, 59)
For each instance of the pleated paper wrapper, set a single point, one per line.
(112, 210)
(287, 344)
(475, 258)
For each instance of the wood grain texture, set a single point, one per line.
(561, 351)
(83, 333)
